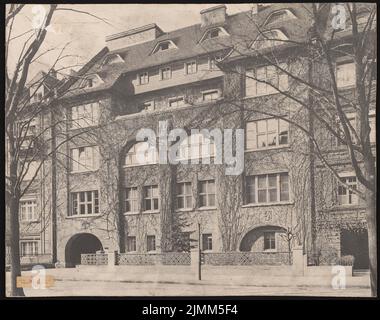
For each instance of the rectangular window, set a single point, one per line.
(267, 133)
(28, 210)
(85, 115)
(212, 64)
(184, 195)
(176, 102)
(28, 248)
(269, 241)
(84, 159)
(352, 120)
(267, 188)
(86, 202)
(144, 78)
(30, 170)
(345, 74)
(131, 244)
(210, 95)
(207, 193)
(265, 80)
(151, 243)
(207, 241)
(190, 67)
(165, 73)
(346, 196)
(147, 106)
(151, 198)
(131, 200)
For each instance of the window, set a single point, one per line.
(28, 210)
(345, 74)
(151, 198)
(147, 106)
(164, 45)
(212, 64)
(206, 241)
(184, 196)
(267, 133)
(196, 146)
(176, 102)
(86, 202)
(131, 244)
(190, 67)
(346, 196)
(166, 73)
(84, 159)
(269, 241)
(30, 170)
(29, 248)
(141, 153)
(265, 80)
(214, 33)
(85, 115)
(131, 200)
(207, 193)
(144, 78)
(352, 120)
(113, 58)
(267, 188)
(270, 39)
(210, 95)
(151, 243)
(91, 82)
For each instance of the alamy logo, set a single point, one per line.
(177, 146)
(38, 277)
(338, 281)
(339, 20)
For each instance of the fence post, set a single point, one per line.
(298, 261)
(112, 255)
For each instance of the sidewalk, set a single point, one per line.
(211, 275)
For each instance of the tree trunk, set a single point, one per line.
(15, 246)
(372, 240)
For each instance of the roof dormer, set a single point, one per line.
(269, 38)
(279, 15)
(91, 81)
(112, 59)
(214, 33)
(164, 45)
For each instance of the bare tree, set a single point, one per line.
(313, 91)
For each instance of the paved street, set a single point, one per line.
(146, 281)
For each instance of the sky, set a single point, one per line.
(83, 36)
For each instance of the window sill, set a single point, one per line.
(184, 210)
(270, 251)
(84, 216)
(29, 221)
(130, 213)
(84, 171)
(266, 204)
(263, 95)
(151, 211)
(207, 208)
(283, 146)
(139, 165)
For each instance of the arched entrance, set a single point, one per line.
(78, 244)
(265, 238)
(355, 242)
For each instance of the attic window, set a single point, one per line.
(165, 45)
(214, 33)
(269, 39)
(91, 81)
(114, 58)
(280, 15)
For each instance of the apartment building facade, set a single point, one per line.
(198, 77)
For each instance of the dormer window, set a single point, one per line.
(91, 81)
(214, 33)
(113, 58)
(269, 39)
(164, 45)
(280, 15)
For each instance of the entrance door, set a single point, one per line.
(78, 244)
(355, 243)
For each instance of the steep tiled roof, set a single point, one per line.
(243, 28)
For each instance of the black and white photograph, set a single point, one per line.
(190, 150)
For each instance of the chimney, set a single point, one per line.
(213, 15)
(134, 36)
